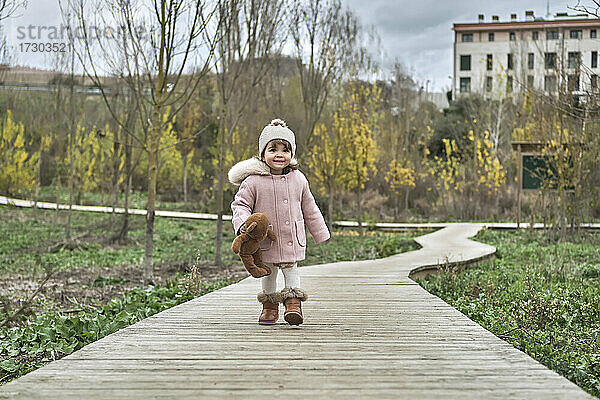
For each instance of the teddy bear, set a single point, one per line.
(247, 244)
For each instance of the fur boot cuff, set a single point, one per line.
(289, 292)
(269, 297)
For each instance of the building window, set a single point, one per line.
(594, 81)
(465, 85)
(574, 59)
(550, 83)
(592, 34)
(573, 83)
(465, 63)
(512, 37)
(467, 37)
(552, 35)
(530, 82)
(489, 62)
(530, 60)
(576, 34)
(594, 59)
(509, 84)
(509, 61)
(488, 84)
(491, 36)
(535, 35)
(550, 60)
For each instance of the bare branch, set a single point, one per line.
(589, 7)
(9, 7)
(327, 42)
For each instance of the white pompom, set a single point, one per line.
(278, 122)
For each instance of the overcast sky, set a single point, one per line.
(417, 33)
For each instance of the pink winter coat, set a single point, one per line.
(288, 203)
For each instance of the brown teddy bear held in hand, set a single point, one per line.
(247, 244)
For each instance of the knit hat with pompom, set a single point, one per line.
(277, 129)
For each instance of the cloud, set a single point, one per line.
(419, 33)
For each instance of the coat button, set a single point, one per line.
(289, 243)
(285, 201)
(287, 222)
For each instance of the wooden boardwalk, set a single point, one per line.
(370, 332)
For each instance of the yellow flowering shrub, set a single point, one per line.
(17, 165)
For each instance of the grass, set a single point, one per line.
(541, 296)
(348, 245)
(52, 335)
(95, 289)
(26, 238)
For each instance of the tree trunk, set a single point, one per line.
(38, 175)
(406, 194)
(360, 227)
(128, 168)
(153, 146)
(330, 208)
(116, 177)
(125, 225)
(220, 188)
(71, 173)
(150, 209)
(57, 200)
(185, 192)
(563, 218)
(72, 132)
(115, 199)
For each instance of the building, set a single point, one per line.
(542, 54)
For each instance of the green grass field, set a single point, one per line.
(541, 296)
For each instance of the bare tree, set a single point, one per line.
(7, 9)
(326, 40)
(160, 50)
(250, 32)
(191, 114)
(67, 107)
(404, 103)
(590, 7)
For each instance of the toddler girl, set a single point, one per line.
(272, 184)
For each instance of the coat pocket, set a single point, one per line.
(266, 243)
(300, 233)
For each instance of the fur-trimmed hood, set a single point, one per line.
(252, 166)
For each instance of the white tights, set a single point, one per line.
(290, 275)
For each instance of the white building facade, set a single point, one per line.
(498, 58)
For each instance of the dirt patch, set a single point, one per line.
(85, 288)
(88, 287)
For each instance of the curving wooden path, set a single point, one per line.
(370, 332)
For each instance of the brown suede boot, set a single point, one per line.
(270, 311)
(269, 314)
(293, 311)
(293, 298)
